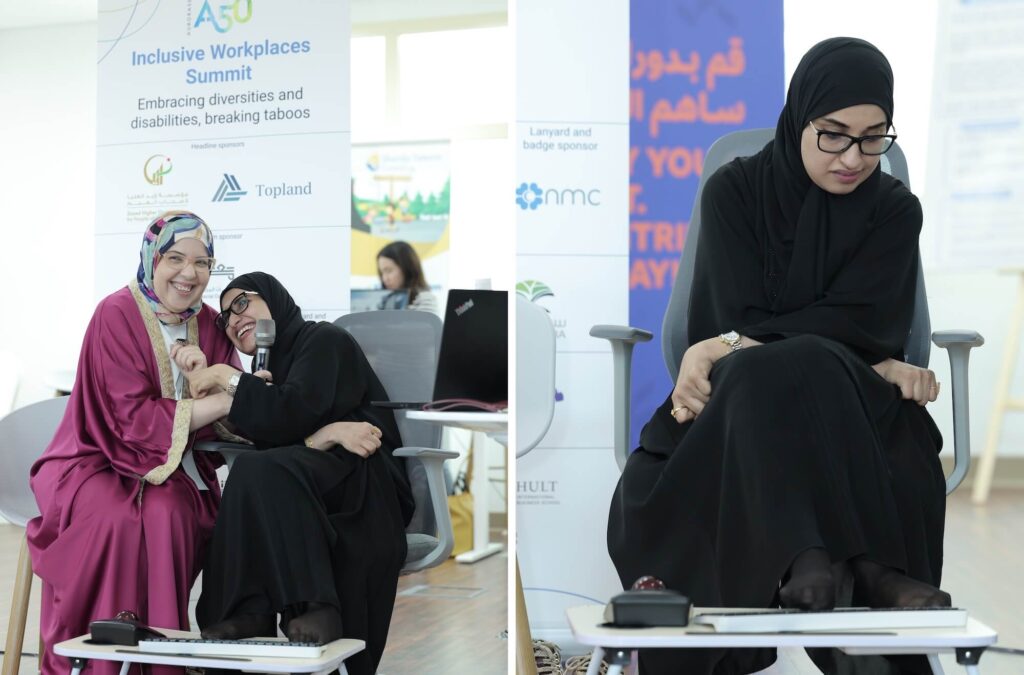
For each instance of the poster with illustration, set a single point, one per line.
(401, 192)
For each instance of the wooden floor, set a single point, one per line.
(436, 630)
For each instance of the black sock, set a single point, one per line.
(885, 586)
(810, 584)
(242, 626)
(320, 624)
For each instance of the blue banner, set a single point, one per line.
(698, 70)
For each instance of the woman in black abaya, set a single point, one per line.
(312, 527)
(796, 439)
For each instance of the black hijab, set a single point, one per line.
(287, 316)
(839, 266)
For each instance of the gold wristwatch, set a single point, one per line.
(733, 339)
(233, 384)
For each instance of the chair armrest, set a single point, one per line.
(425, 453)
(433, 460)
(958, 343)
(948, 338)
(624, 333)
(622, 339)
(229, 450)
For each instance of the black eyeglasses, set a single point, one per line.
(836, 143)
(237, 306)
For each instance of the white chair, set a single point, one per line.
(24, 434)
(535, 407)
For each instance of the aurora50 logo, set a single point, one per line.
(226, 16)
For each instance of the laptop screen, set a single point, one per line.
(473, 362)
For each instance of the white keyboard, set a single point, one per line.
(250, 647)
(835, 620)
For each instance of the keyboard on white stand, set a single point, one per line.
(839, 619)
(250, 647)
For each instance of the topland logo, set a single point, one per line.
(155, 168)
(530, 197)
(463, 308)
(224, 17)
(285, 190)
(229, 190)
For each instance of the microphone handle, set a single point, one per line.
(262, 359)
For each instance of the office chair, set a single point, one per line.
(958, 343)
(24, 435)
(402, 348)
(535, 407)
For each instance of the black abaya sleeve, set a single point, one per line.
(314, 392)
(867, 296)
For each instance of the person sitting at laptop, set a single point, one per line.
(307, 530)
(400, 269)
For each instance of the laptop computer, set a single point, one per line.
(473, 361)
(370, 299)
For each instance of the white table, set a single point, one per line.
(79, 652)
(587, 627)
(494, 425)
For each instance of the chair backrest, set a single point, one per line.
(674, 340)
(535, 374)
(402, 348)
(24, 434)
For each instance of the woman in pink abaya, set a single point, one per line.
(127, 508)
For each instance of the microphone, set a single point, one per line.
(265, 334)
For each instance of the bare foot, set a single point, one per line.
(887, 587)
(321, 624)
(810, 584)
(241, 627)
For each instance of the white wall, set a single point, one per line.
(978, 299)
(47, 189)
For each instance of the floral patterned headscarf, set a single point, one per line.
(161, 235)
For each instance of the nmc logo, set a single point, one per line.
(530, 196)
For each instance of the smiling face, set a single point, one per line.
(241, 328)
(179, 289)
(842, 173)
(390, 273)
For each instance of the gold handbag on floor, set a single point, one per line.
(460, 506)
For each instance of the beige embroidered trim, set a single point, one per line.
(179, 440)
(183, 409)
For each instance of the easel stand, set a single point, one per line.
(1002, 403)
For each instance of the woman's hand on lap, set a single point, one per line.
(693, 386)
(916, 384)
(359, 438)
